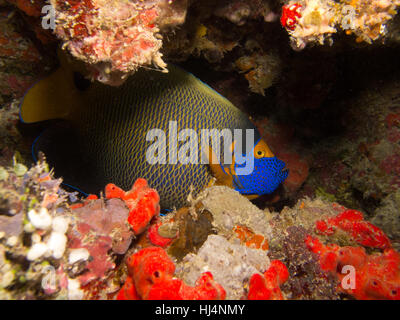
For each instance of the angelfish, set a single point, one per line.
(101, 137)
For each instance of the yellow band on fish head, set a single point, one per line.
(261, 150)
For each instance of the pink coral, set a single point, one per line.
(116, 37)
(108, 226)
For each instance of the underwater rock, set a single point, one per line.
(315, 21)
(307, 281)
(231, 264)
(229, 209)
(387, 217)
(21, 60)
(114, 37)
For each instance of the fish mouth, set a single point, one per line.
(284, 173)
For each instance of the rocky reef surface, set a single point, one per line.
(319, 78)
(55, 246)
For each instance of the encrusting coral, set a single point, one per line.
(314, 21)
(114, 37)
(56, 247)
(359, 230)
(376, 276)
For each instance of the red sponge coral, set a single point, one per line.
(142, 201)
(267, 287)
(353, 223)
(376, 276)
(151, 274)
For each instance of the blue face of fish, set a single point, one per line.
(268, 174)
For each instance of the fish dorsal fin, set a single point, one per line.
(53, 97)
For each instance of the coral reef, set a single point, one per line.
(361, 231)
(377, 276)
(387, 215)
(315, 21)
(54, 248)
(231, 264)
(150, 277)
(229, 209)
(267, 287)
(114, 37)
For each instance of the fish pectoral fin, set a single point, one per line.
(251, 196)
(218, 171)
(236, 181)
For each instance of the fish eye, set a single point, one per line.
(260, 153)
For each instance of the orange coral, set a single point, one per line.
(251, 239)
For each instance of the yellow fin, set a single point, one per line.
(251, 196)
(51, 98)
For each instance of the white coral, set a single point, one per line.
(41, 219)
